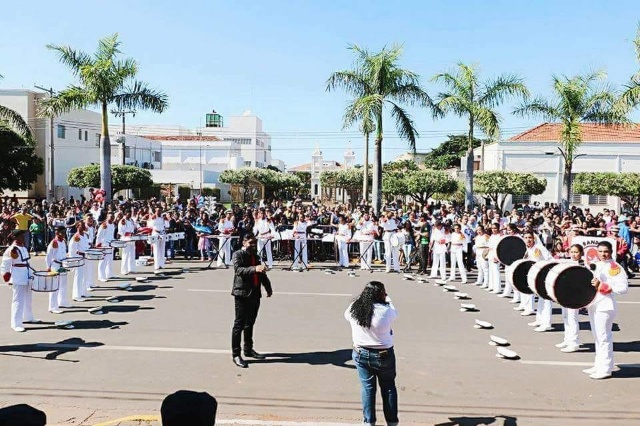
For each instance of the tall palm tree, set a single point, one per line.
(15, 121)
(630, 97)
(376, 82)
(576, 100)
(469, 98)
(103, 80)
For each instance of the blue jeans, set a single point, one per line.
(372, 365)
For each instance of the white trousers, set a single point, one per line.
(483, 271)
(526, 302)
(439, 263)
(21, 305)
(456, 261)
(89, 274)
(543, 313)
(391, 256)
(266, 245)
(601, 325)
(343, 252)
(366, 248)
(571, 327)
(224, 253)
(105, 267)
(59, 297)
(78, 282)
(128, 262)
(508, 285)
(158, 253)
(494, 276)
(300, 251)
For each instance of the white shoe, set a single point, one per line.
(503, 295)
(463, 282)
(589, 371)
(477, 283)
(78, 299)
(55, 311)
(496, 291)
(484, 286)
(519, 308)
(561, 345)
(542, 329)
(534, 324)
(600, 376)
(103, 280)
(19, 329)
(526, 313)
(570, 349)
(514, 301)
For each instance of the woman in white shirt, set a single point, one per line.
(371, 316)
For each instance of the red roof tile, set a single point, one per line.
(550, 132)
(179, 138)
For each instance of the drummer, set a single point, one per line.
(78, 245)
(126, 228)
(156, 223)
(609, 279)
(104, 236)
(391, 248)
(16, 271)
(343, 236)
(367, 230)
(226, 228)
(56, 252)
(536, 252)
(511, 230)
(458, 247)
(494, 282)
(571, 342)
(481, 247)
(438, 251)
(90, 233)
(264, 230)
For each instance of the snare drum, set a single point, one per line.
(517, 273)
(171, 237)
(93, 254)
(138, 237)
(570, 285)
(44, 281)
(153, 239)
(396, 239)
(118, 243)
(72, 262)
(179, 235)
(107, 250)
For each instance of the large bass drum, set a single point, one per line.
(570, 286)
(517, 273)
(510, 249)
(537, 276)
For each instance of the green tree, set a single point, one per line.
(387, 85)
(15, 121)
(476, 101)
(576, 100)
(400, 166)
(123, 177)
(623, 185)
(276, 184)
(496, 185)
(18, 161)
(103, 80)
(447, 155)
(420, 185)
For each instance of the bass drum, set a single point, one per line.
(570, 286)
(510, 249)
(537, 276)
(517, 273)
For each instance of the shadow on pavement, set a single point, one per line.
(338, 358)
(67, 345)
(124, 309)
(476, 421)
(138, 297)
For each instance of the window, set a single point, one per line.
(520, 199)
(247, 163)
(79, 134)
(265, 156)
(157, 157)
(62, 131)
(97, 139)
(598, 200)
(575, 199)
(86, 136)
(127, 152)
(241, 141)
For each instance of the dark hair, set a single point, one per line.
(513, 228)
(362, 308)
(606, 244)
(579, 247)
(248, 237)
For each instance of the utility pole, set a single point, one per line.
(123, 114)
(50, 175)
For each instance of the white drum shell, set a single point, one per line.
(153, 239)
(534, 271)
(179, 235)
(118, 244)
(107, 250)
(44, 281)
(72, 262)
(512, 268)
(396, 240)
(94, 255)
(138, 237)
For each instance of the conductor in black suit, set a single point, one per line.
(249, 277)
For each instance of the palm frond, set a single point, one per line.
(73, 97)
(16, 122)
(108, 48)
(404, 125)
(488, 121)
(351, 81)
(453, 82)
(74, 59)
(538, 107)
(630, 97)
(506, 86)
(140, 96)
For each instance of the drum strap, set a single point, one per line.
(20, 265)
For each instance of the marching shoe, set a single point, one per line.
(55, 311)
(514, 301)
(542, 328)
(463, 282)
(600, 376)
(527, 312)
(253, 354)
(589, 371)
(570, 349)
(19, 329)
(503, 295)
(519, 308)
(237, 360)
(561, 345)
(534, 324)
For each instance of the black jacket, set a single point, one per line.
(243, 276)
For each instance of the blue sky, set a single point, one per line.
(273, 57)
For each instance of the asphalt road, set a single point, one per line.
(174, 333)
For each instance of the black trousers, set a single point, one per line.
(246, 314)
(424, 257)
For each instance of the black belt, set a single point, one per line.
(380, 352)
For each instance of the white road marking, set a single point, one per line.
(278, 423)
(628, 302)
(573, 364)
(285, 293)
(134, 348)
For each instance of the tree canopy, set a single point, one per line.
(420, 185)
(276, 184)
(496, 185)
(623, 185)
(123, 177)
(18, 161)
(447, 155)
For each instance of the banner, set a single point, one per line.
(590, 246)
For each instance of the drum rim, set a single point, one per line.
(540, 265)
(512, 268)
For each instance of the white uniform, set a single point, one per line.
(126, 228)
(494, 284)
(104, 237)
(90, 265)
(458, 246)
(15, 261)
(56, 252)
(391, 253)
(157, 228)
(543, 314)
(571, 326)
(225, 227)
(439, 240)
(78, 245)
(264, 231)
(300, 244)
(342, 236)
(481, 245)
(367, 230)
(602, 312)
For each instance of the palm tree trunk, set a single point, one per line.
(365, 180)
(377, 175)
(468, 186)
(566, 185)
(105, 152)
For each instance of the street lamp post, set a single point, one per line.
(50, 175)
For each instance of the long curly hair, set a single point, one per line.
(362, 308)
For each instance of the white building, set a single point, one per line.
(605, 148)
(137, 151)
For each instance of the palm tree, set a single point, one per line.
(375, 82)
(103, 80)
(16, 122)
(476, 102)
(577, 100)
(631, 95)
